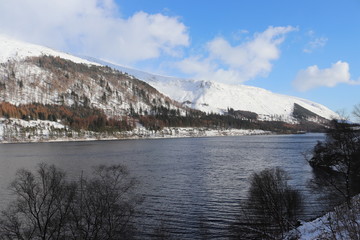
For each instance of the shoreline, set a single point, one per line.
(166, 133)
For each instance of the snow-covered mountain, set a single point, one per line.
(206, 96)
(209, 96)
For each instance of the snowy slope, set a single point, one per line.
(18, 50)
(216, 97)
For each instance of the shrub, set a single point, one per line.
(272, 206)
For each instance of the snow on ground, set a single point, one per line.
(18, 130)
(342, 223)
(173, 132)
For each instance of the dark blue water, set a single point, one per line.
(192, 186)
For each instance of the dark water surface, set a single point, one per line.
(192, 186)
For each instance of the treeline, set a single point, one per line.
(87, 118)
(158, 122)
(82, 117)
(193, 118)
(161, 117)
(76, 117)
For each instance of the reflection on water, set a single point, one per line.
(193, 184)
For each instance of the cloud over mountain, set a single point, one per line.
(236, 64)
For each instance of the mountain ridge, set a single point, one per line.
(197, 94)
(203, 95)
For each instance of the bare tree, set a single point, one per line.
(356, 112)
(106, 205)
(343, 222)
(47, 206)
(338, 158)
(42, 206)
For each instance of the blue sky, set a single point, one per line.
(303, 48)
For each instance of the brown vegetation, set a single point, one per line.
(75, 117)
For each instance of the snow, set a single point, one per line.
(18, 50)
(217, 97)
(36, 82)
(175, 132)
(341, 223)
(42, 86)
(18, 130)
(209, 96)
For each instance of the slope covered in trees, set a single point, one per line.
(101, 99)
(93, 119)
(55, 81)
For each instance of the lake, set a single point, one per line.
(191, 185)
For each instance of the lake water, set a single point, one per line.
(192, 186)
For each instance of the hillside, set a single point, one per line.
(33, 74)
(41, 84)
(53, 80)
(205, 95)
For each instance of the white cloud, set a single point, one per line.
(93, 27)
(239, 34)
(313, 77)
(236, 64)
(315, 42)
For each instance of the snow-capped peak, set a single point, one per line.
(15, 49)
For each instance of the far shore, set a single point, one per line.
(166, 133)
